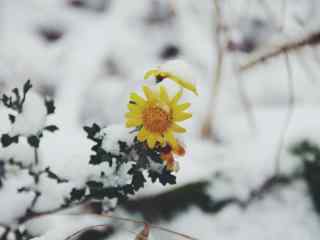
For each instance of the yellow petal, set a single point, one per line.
(182, 107)
(133, 114)
(134, 107)
(133, 122)
(142, 135)
(159, 139)
(184, 84)
(170, 139)
(137, 99)
(151, 140)
(150, 73)
(177, 128)
(149, 94)
(164, 94)
(181, 116)
(176, 98)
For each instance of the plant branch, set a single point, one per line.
(132, 221)
(36, 156)
(294, 45)
(207, 128)
(289, 113)
(33, 214)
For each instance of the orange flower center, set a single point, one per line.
(155, 119)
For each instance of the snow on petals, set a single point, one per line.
(176, 70)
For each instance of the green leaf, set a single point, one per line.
(50, 106)
(33, 141)
(138, 179)
(77, 194)
(27, 86)
(12, 118)
(165, 177)
(51, 128)
(54, 176)
(7, 140)
(92, 131)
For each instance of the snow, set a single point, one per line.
(102, 55)
(21, 152)
(286, 213)
(178, 67)
(60, 226)
(114, 134)
(17, 203)
(33, 117)
(53, 195)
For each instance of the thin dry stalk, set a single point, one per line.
(207, 127)
(244, 98)
(288, 116)
(294, 45)
(173, 7)
(144, 234)
(131, 221)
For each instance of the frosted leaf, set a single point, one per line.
(14, 204)
(21, 153)
(112, 135)
(33, 116)
(53, 194)
(112, 177)
(119, 178)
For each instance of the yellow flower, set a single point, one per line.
(160, 75)
(156, 116)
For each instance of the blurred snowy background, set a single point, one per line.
(89, 54)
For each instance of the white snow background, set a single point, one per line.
(104, 49)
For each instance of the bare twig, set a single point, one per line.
(144, 234)
(33, 214)
(132, 221)
(173, 8)
(36, 156)
(248, 106)
(311, 39)
(289, 113)
(207, 128)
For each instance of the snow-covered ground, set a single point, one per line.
(88, 55)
